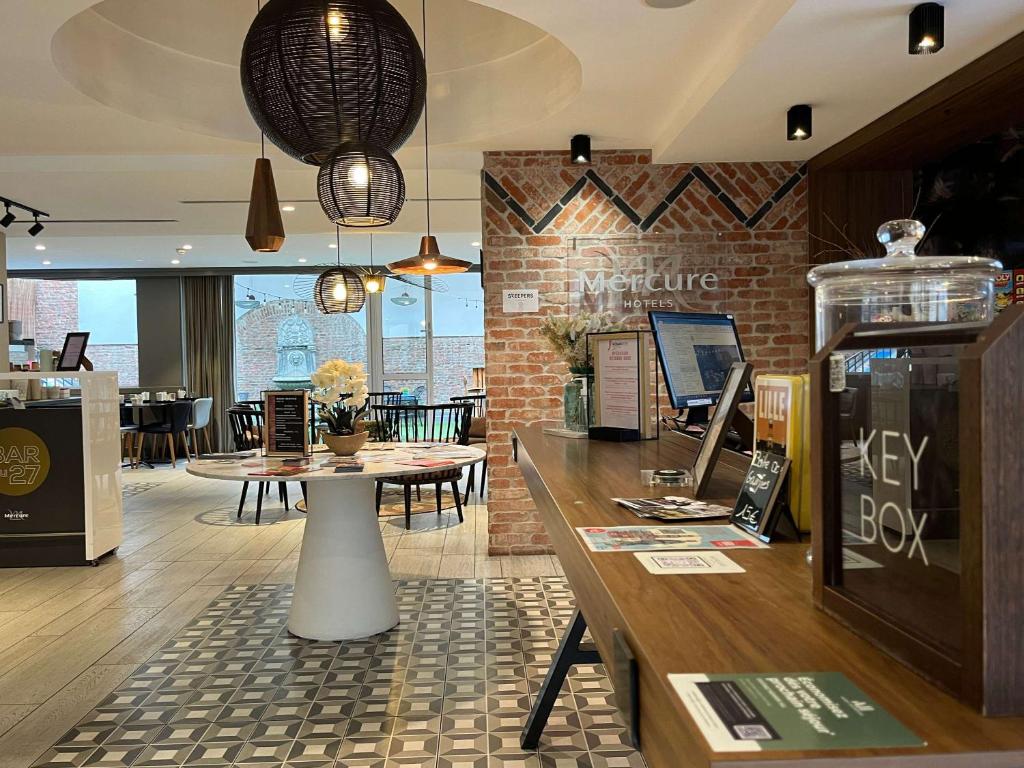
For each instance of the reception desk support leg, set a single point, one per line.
(571, 651)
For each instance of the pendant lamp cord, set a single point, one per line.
(426, 117)
(263, 139)
(337, 235)
(371, 252)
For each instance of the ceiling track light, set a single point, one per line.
(927, 29)
(579, 149)
(798, 123)
(10, 217)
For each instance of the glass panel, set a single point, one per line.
(403, 319)
(458, 328)
(281, 337)
(900, 490)
(50, 309)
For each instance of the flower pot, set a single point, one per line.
(345, 445)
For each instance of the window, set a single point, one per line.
(404, 324)
(281, 337)
(50, 309)
(458, 334)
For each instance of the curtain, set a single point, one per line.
(210, 348)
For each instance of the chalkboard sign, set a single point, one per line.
(287, 423)
(756, 509)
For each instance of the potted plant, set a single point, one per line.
(341, 392)
(568, 337)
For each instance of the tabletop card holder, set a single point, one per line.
(917, 527)
(761, 508)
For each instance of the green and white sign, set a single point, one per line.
(788, 711)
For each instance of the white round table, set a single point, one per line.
(343, 587)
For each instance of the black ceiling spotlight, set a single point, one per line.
(579, 149)
(10, 218)
(927, 29)
(798, 122)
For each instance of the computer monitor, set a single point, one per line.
(696, 350)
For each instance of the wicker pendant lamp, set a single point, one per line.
(320, 73)
(361, 185)
(430, 260)
(339, 290)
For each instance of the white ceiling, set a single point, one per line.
(125, 109)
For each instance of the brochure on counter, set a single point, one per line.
(638, 538)
(673, 508)
(788, 711)
(675, 563)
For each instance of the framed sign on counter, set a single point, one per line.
(287, 423)
(711, 442)
(625, 388)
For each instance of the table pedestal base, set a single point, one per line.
(343, 587)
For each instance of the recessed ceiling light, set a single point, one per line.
(40, 247)
(475, 244)
(139, 261)
(667, 3)
(302, 261)
(287, 208)
(187, 247)
(47, 263)
(175, 261)
(332, 245)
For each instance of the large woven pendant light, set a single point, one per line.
(264, 230)
(320, 73)
(339, 290)
(430, 260)
(361, 185)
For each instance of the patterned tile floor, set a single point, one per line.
(450, 687)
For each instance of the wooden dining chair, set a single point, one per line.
(170, 420)
(247, 432)
(477, 438)
(448, 423)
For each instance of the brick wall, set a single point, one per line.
(546, 220)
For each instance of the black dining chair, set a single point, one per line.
(478, 438)
(247, 432)
(447, 423)
(170, 419)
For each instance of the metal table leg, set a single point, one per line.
(571, 651)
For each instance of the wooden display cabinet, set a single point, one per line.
(918, 500)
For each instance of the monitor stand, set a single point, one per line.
(695, 421)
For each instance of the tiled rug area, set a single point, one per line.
(450, 687)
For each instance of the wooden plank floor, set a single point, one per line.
(69, 636)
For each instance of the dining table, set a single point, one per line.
(343, 588)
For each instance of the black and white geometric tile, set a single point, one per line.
(450, 687)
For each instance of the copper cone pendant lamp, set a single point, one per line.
(265, 230)
(429, 261)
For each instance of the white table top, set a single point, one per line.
(379, 460)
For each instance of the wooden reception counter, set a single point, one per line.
(760, 621)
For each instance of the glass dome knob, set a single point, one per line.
(901, 236)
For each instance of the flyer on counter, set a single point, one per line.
(639, 538)
(673, 508)
(788, 711)
(671, 563)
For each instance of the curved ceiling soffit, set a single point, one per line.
(107, 53)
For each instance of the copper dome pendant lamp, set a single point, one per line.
(430, 260)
